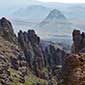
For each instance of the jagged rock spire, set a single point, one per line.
(6, 30)
(78, 41)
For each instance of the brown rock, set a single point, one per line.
(6, 31)
(73, 70)
(78, 41)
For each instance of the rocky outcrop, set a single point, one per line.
(37, 57)
(74, 70)
(11, 56)
(5, 78)
(74, 65)
(78, 41)
(19, 64)
(30, 44)
(6, 30)
(24, 54)
(54, 56)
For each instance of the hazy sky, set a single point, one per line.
(65, 1)
(6, 5)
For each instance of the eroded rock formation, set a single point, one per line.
(74, 64)
(6, 30)
(26, 53)
(74, 70)
(37, 57)
(11, 56)
(78, 41)
(30, 44)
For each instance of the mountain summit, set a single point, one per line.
(55, 15)
(52, 24)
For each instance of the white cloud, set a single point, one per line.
(64, 1)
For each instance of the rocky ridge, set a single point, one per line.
(10, 55)
(25, 56)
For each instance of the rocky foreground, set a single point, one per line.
(25, 61)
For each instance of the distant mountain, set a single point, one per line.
(42, 17)
(32, 13)
(53, 16)
(54, 24)
(29, 16)
(56, 14)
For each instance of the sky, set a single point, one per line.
(6, 5)
(64, 1)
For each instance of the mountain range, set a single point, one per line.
(32, 13)
(72, 11)
(62, 21)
